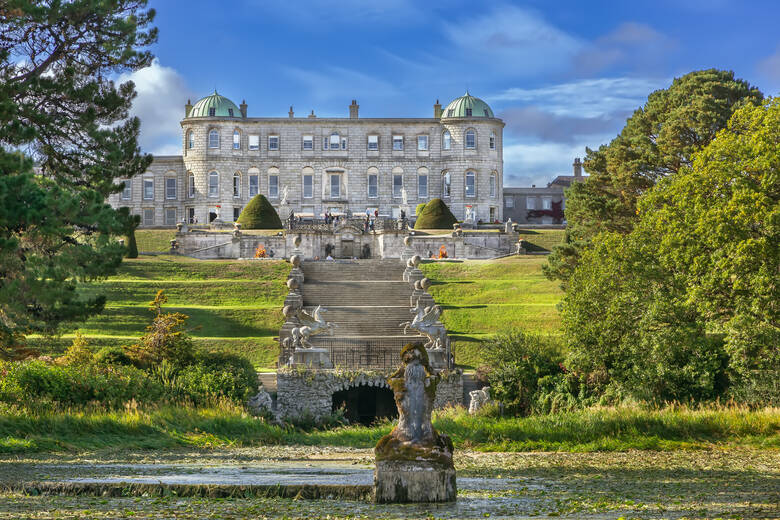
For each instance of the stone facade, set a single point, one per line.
(311, 391)
(217, 175)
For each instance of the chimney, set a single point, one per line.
(577, 168)
(437, 110)
(312, 116)
(187, 108)
(291, 113)
(242, 107)
(353, 109)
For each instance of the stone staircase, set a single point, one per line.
(366, 299)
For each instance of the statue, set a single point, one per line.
(404, 197)
(285, 192)
(426, 322)
(414, 461)
(469, 216)
(310, 325)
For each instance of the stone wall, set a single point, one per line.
(348, 242)
(302, 391)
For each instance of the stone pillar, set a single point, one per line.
(408, 251)
(294, 297)
(415, 273)
(297, 246)
(296, 272)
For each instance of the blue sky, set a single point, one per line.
(563, 75)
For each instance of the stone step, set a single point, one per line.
(391, 270)
(356, 293)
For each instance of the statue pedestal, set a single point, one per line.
(414, 481)
(438, 358)
(312, 358)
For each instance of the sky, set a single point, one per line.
(562, 75)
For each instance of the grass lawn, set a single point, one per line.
(483, 297)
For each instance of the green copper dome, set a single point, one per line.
(214, 106)
(467, 106)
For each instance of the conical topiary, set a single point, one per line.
(435, 215)
(259, 214)
(419, 209)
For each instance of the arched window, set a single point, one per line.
(471, 184)
(254, 181)
(213, 139)
(493, 184)
(213, 184)
(446, 184)
(190, 139)
(373, 182)
(492, 140)
(191, 185)
(471, 139)
(236, 140)
(273, 182)
(446, 140)
(237, 184)
(422, 183)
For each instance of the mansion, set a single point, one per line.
(337, 165)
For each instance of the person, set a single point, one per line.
(371, 226)
(366, 224)
(376, 213)
(328, 257)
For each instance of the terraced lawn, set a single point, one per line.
(483, 297)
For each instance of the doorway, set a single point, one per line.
(365, 404)
(347, 248)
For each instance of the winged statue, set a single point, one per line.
(310, 325)
(426, 322)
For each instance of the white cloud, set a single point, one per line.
(634, 46)
(529, 163)
(162, 93)
(339, 85)
(511, 40)
(769, 67)
(585, 98)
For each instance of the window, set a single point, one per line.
(530, 203)
(254, 142)
(273, 142)
(343, 143)
(170, 216)
(308, 186)
(373, 185)
(148, 189)
(492, 214)
(493, 185)
(450, 112)
(308, 142)
(254, 185)
(126, 190)
(213, 184)
(492, 140)
(236, 212)
(170, 188)
(212, 111)
(471, 139)
(148, 217)
(398, 183)
(471, 188)
(334, 141)
(373, 142)
(509, 202)
(191, 185)
(236, 184)
(422, 186)
(213, 139)
(446, 184)
(335, 186)
(190, 139)
(273, 186)
(236, 140)
(422, 142)
(446, 140)
(546, 203)
(230, 112)
(398, 142)
(468, 112)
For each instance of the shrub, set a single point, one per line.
(77, 353)
(133, 221)
(112, 355)
(76, 385)
(517, 363)
(418, 210)
(435, 215)
(259, 214)
(165, 339)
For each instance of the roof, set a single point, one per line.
(222, 107)
(467, 106)
(566, 180)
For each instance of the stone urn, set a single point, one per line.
(414, 461)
